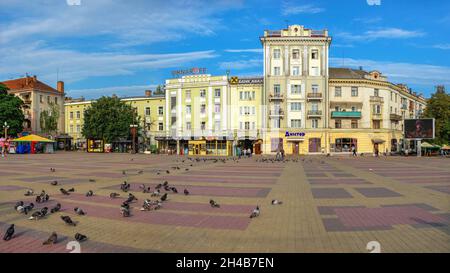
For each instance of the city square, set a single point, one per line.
(329, 204)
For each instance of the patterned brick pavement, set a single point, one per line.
(330, 204)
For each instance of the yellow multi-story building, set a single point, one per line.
(150, 108)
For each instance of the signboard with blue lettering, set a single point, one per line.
(294, 134)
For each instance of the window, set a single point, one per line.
(48, 99)
(345, 144)
(295, 70)
(315, 123)
(276, 53)
(337, 91)
(147, 111)
(78, 114)
(276, 144)
(276, 123)
(217, 108)
(296, 89)
(391, 110)
(376, 92)
(160, 111)
(202, 93)
(296, 106)
(392, 95)
(217, 93)
(353, 108)
(276, 89)
(160, 126)
(188, 109)
(337, 108)
(202, 109)
(315, 71)
(247, 125)
(315, 88)
(78, 128)
(377, 109)
(315, 106)
(240, 125)
(376, 124)
(295, 54)
(41, 98)
(188, 125)
(247, 95)
(217, 125)
(71, 115)
(354, 91)
(354, 124)
(71, 128)
(276, 71)
(337, 124)
(188, 94)
(315, 54)
(253, 125)
(56, 100)
(203, 125)
(253, 110)
(296, 123)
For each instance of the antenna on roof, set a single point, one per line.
(287, 23)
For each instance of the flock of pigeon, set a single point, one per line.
(125, 209)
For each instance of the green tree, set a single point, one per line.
(438, 107)
(109, 118)
(49, 119)
(159, 90)
(10, 111)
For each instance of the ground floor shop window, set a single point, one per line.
(345, 144)
(393, 145)
(276, 144)
(314, 145)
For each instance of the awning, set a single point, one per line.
(32, 138)
(446, 147)
(377, 140)
(295, 139)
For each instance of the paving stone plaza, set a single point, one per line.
(330, 204)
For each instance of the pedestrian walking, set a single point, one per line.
(354, 150)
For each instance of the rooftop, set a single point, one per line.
(28, 82)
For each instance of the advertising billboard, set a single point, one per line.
(419, 128)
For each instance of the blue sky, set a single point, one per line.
(103, 47)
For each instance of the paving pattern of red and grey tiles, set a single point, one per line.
(330, 204)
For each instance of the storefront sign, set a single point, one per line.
(294, 134)
(236, 80)
(190, 71)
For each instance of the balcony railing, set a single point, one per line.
(314, 96)
(377, 116)
(395, 117)
(276, 96)
(345, 114)
(276, 113)
(314, 113)
(376, 99)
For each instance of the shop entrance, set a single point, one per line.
(295, 148)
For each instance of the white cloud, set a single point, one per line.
(386, 33)
(75, 65)
(410, 73)
(121, 91)
(252, 50)
(241, 64)
(442, 46)
(290, 8)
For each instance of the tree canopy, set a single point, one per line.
(10, 111)
(108, 118)
(49, 119)
(438, 107)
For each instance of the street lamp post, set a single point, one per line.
(6, 127)
(133, 135)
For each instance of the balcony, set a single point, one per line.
(276, 113)
(395, 117)
(377, 116)
(376, 99)
(276, 96)
(314, 113)
(345, 114)
(314, 96)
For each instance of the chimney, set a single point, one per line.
(34, 78)
(60, 86)
(148, 93)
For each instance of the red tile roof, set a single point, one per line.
(28, 83)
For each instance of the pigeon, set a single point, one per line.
(38, 199)
(79, 211)
(28, 208)
(54, 183)
(147, 205)
(29, 192)
(80, 237)
(140, 172)
(9, 233)
(276, 202)
(158, 173)
(174, 190)
(158, 186)
(131, 198)
(46, 197)
(147, 190)
(51, 240)
(63, 191)
(255, 212)
(125, 209)
(89, 193)
(18, 204)
(186, 192)
(124, 172)
(214, 204)
(156, 193)
(56, 208)
(167, 171)
(125, 186)
(67, 220)
(71, 190)
(52, 170)
(186, 169)
(165, 183)
(158, 205)
(91, 180)
(164, 197)
(167, 188)
(39, 214)
(142, 186)
(114, 195)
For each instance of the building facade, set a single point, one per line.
(38, 97)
